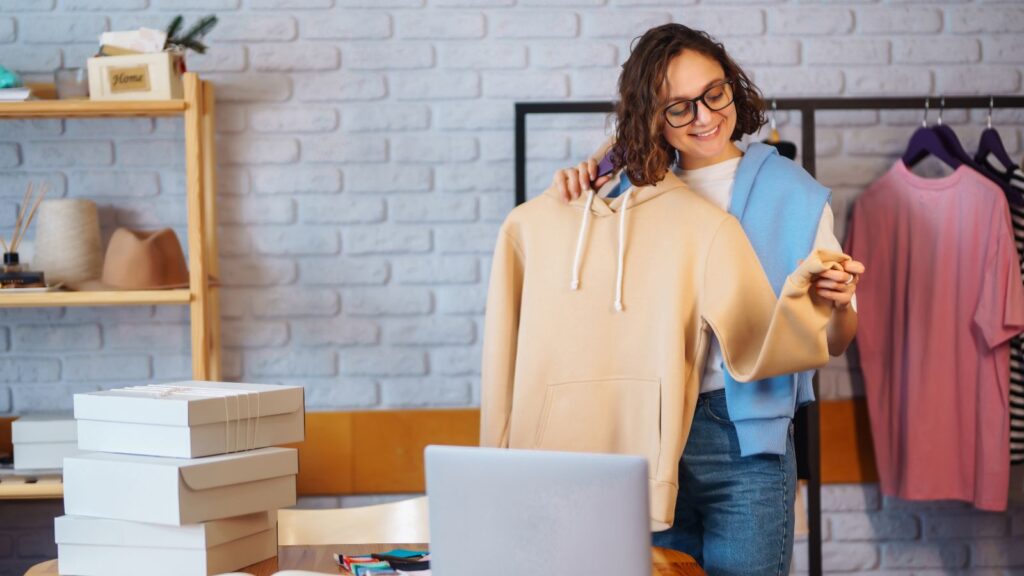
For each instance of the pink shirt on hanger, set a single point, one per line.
(940, 300)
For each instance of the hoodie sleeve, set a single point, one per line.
(762, 336)
(501, 332)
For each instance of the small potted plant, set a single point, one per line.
(191, 40)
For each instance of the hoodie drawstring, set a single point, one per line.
(579, 242)
(584, 225)
(622, 249)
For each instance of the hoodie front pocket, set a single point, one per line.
(614, 415)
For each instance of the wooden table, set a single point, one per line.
(319, 559)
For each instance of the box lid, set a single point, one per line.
(189, 403)
(106, 532)
(240, 467)
(212, 471)
(48, 427)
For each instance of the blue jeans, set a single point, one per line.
(733, 515)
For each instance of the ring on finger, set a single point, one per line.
(850, 279)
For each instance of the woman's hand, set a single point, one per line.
(572, 182)
(839, 286)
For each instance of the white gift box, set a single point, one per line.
(179, 491)
(136, 77)
(103, 547)
(189, 419)
(41, 441)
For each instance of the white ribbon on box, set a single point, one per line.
(168, 390)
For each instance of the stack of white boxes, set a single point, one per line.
(181, 479)
(42, 441)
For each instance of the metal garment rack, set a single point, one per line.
(807, 419)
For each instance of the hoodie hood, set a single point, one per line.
(592, 206)
(603, 207)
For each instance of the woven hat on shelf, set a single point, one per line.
(68, 246)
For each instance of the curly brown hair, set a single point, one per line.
(641, 148)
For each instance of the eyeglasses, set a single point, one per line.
(683, 112)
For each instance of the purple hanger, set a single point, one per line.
(925, 141)
(951, 141)
(991, 144)
(606, 165)
(953, 145)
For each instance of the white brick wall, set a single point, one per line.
(866, 533)
(365, 163)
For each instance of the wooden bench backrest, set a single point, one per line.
(381, 451)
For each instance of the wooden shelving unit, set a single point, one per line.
(197, 110)
(90, 109)
(113, 298)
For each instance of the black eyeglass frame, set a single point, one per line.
(693, 102)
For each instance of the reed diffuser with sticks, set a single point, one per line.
(13, 274)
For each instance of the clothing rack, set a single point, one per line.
(807, 419)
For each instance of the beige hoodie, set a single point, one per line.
(598, 320)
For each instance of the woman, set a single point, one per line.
(737, 476)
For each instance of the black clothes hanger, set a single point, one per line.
(786, 149)
(991, 151)
(926, 141)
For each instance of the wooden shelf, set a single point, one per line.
(90, 109)
(44, 489)
(113, 298)
(202, 298)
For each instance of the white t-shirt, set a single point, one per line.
(714, 183)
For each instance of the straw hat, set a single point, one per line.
(139, 260)
(68, 246)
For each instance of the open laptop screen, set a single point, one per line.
(517, 512)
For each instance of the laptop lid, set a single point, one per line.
(514, 512)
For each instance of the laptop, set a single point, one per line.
(522, 512)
